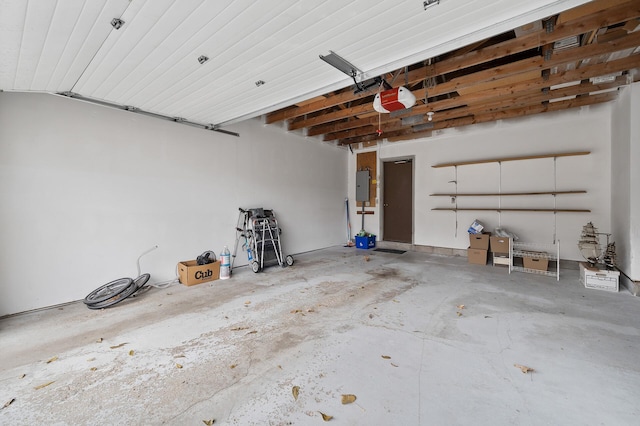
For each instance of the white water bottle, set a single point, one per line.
(225, 264)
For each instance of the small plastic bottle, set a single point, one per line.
(225, 264)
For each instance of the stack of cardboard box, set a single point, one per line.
(478, 248)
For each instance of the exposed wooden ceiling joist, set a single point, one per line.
(496, 76)
(505, 76)
(536, 82)
(526, 75)
(597, 18)
(493, 116)
(524, 99)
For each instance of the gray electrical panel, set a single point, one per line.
(362, 185)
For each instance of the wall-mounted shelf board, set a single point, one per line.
(453, 209)
(498, 194)
(503, 159)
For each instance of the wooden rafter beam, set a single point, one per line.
(492, 116)
(497, 103)
(488, 95)
(601, 13)
(491, 93)
(586, 9)
(538, 109)
(490, 77)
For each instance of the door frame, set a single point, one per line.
(411, 158)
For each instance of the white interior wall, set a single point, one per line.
(633, 269)
(621, 180)
(625, 184)
(585, 129)
(86, 189)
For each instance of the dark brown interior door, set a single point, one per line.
(398, 201)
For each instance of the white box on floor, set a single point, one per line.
(599, 279)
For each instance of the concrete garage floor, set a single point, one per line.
(386, 330)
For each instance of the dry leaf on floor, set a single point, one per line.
(366, 258)
(325, 417)
(524, 368)
(348, 398)
(118, 346)
(459, 313)
(93, 368)
(179, 356)
(44, 385)
(252, 332)
(460, 306)
(296, 311)
(23, 376)
(90, 359)
(248, 302)
(131, 352)
(295, 391)
(99, 340)
(178, 365)
(209, 422)
(239, 328)
(393, 365)
(8, 403)
(232, 366)
(279, 366)
(310, 310)
(386, 357)
(52, 359)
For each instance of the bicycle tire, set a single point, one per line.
(132, 288)
(107, 291)
(140, 283)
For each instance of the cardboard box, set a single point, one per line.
(191, 273)
(499, 244)
(366, 242)
(479, 241)
(535, 261)
(599, 279)
(477, 256)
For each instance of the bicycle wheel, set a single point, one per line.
(140, 283)
(128, 291)
(107, 291)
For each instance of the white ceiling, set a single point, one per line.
(151, 63)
